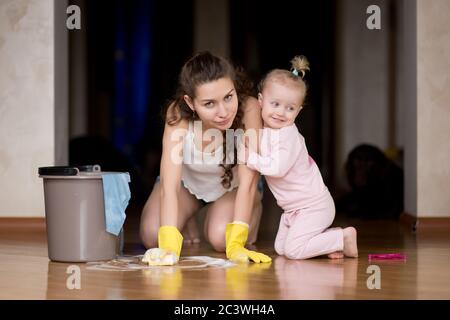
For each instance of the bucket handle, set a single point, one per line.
(67, 170)
(59, 171)
(89, 168)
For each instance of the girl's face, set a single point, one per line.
(215, 103)
(280, 103)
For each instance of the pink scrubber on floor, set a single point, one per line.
(388, 256)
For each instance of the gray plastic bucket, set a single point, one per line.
(75, 215)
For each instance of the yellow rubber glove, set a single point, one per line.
(236, 235)
(170, 241)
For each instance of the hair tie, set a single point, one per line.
(295, 72)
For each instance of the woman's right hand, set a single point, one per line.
(168, 252)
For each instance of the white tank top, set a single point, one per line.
(201, 173)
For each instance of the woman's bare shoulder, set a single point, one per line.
(251, 104)
(174, 120)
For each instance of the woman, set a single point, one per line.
(213, 96)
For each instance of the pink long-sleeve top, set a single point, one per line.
(292, 175)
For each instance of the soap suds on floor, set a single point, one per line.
(134, 263)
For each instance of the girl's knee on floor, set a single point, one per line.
(279, 247)
(295, 252)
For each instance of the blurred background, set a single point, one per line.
(376, 118)
(132, 52)
(125, 60)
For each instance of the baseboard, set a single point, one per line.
(424, 224)
(38, 222)
(409, 221)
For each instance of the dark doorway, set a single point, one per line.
(267, 35)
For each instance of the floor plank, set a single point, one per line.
(26, 272)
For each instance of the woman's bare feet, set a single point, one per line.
(336, 255)
(190, 232)
(350, 243)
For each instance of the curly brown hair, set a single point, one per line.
(202, 68)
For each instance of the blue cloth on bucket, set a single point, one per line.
(116, 194)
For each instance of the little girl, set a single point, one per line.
(292, 175)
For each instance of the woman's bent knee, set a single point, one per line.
(217, 240)
(149, 238)
(148, 235)
(218, 244)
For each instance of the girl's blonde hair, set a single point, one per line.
(299, 66)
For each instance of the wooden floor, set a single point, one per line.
(26, 272)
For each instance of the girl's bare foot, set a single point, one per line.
(336, 255)
(190, 232)
(350, 243)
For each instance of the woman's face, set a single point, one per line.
(215, 103)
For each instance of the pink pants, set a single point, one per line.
(304, 233)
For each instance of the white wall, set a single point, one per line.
(433, 108)
(406, 97)
(27, 104)
(422, 95)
